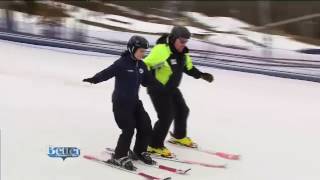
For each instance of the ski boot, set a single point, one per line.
(163, 151)
(144, 157)
(124, 162)
(186, 141)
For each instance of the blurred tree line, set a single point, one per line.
(249, 11)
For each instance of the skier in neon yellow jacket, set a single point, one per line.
(168, 59)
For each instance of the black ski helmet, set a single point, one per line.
(136, 42)
(178, 32)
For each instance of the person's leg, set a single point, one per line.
(181, 112)
(144, 129)
(163, 106)
(126, 122)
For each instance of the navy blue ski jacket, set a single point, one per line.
(129, 74)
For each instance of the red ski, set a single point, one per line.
(158, 166)
(176, 159)
(215, 153)
(185, 161)
(136, 172)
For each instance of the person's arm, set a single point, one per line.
(191, 70)
(156, 57)
(194, 72)
(104, 74)
(149, 80)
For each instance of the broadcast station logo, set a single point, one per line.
(63, 152)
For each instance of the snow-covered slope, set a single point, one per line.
(232, 25)
(272, 122)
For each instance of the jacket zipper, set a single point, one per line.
(137, 76)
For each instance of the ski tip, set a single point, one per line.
(167, 178)
(89, 157)
(227, 156)
(214, 166)
(186, 171)
(235, 157)
(239, 157)
(225, 166)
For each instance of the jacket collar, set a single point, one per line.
(128, 56)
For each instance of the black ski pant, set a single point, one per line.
(170, 106)
(129, 118)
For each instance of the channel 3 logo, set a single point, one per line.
(63, 152)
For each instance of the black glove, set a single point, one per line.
(207, 76)
(90, 80)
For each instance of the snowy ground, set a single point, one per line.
(272, 122)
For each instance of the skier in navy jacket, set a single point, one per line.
(129, 72)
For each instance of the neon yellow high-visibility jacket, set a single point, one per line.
(167, 65)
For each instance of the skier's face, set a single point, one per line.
(139, 54)
(180, 44)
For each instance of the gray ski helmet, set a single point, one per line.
(180, 31)
(136, 42)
